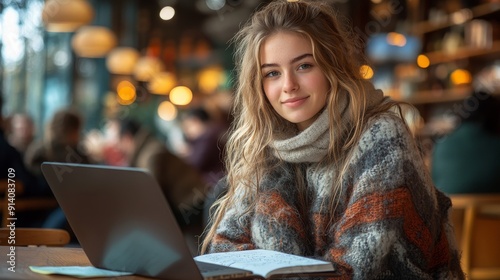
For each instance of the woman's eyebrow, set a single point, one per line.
(298, 58)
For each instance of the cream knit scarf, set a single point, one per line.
(311, 144)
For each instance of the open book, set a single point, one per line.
(268, 264)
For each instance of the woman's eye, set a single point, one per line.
(305, 66)
(271, 74)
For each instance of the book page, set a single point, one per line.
(266, 263)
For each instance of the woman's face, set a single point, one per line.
(292, 81)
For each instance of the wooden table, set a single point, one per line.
(63, 256)
(46, 256)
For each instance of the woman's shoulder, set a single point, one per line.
(387, 123)
(385, 127)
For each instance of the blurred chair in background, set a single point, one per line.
(22, 205)
(35, 237)
(476, 219)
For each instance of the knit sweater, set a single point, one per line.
(390, 221)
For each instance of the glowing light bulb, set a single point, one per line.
(181, 95)
(366, 72)
(423, 61)
(167, 13)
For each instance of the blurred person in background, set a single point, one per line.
(11, 159)
(61, 143)
(21, 131)
(206, 144)
(103, 145)
(182, 184)
(205, 139)
(467, 160)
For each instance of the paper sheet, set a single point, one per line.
(78, 271)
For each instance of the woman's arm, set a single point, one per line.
(395, 223)
(230, 236)
(233, 231)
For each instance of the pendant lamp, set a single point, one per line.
(66, 16)
(93, 41)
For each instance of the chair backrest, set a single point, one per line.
(476, 218)
(8, 191)
(10, 196)
(15, 185)
(33, 236)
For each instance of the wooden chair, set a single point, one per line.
(33, 236)
(21, 204)
(476, 218)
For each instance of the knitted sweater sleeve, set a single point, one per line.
(394, 223)
(233, 231)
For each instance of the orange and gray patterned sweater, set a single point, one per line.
(390, 221)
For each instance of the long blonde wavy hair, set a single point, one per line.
(336, 50)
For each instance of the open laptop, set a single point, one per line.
(124, 223)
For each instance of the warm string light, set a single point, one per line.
(366, 72)
(396, 39)
(181, 95)
(126, 92)
(460, 77)
(423, 61)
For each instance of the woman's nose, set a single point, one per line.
(290, 83)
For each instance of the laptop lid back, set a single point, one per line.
(121, 219)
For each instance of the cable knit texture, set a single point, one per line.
(309, 146)
(390, 221)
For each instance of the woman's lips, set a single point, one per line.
(294, 102)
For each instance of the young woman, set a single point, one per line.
(319, 163)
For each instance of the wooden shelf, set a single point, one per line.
(437, 96)
(463, 53)
(485, 9)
